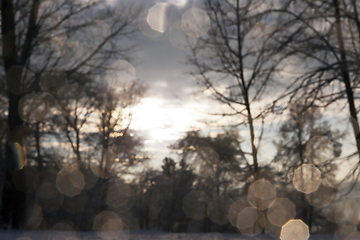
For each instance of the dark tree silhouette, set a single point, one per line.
(38, 36)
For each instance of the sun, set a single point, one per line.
(179, 3)
(160, 119)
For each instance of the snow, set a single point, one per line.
(55, 235)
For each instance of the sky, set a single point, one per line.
(171, 106)
(175, 103)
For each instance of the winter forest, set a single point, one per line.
(179, 119)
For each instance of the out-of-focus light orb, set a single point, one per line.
(218, 209)
(33, 217)
(261, 194)
(195, 22)
(344, 231)
(111, 228)
(247, 217)
(281, 211)
(195, 205)
(319, 150)
(179, 39)
(108, 225)
(75, 204)
(329, 174)
(53, 81)
(263, 189)
(352, 211)
(18, 79)
(146, 29)
(53, 39)
(70, 46)
(119, 73)
(63, 230)
(272, 230)
(235, 209)
(353, 236)
(307, 178)
(110, 158)
(335, 211)
(250, 221)
(322, 196)
(32, 108)
(118, 194)
(295, 230)
(48, 197)
(343, 211)
(70, 181)
(98, 169)
(97, 31)
(89, 177)
(63, 226)
(157, 18)
(105, 168)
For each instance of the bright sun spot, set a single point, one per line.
(163, 121)
(179, 3)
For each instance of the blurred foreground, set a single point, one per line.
(136, 236)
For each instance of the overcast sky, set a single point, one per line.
(175, 101)
(174, 104)
(171, 106)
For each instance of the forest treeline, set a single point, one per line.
(70, 158)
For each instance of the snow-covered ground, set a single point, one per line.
(51, 235)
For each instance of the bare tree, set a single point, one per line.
(113, 122)
(74, 36)
(232, 61)
(302, 125)
(323, 38)
(300, 136)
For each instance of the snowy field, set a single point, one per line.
(48, 235)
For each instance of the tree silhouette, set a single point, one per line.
(296, 146)
(48, 36)
(232, 60)
(321, 38)
(219, 158)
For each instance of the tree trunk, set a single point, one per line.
(346, 76)
(13, 208)
(253, 147)
(13, 204)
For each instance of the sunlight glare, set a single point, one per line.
(178, 3)
(161, 121)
